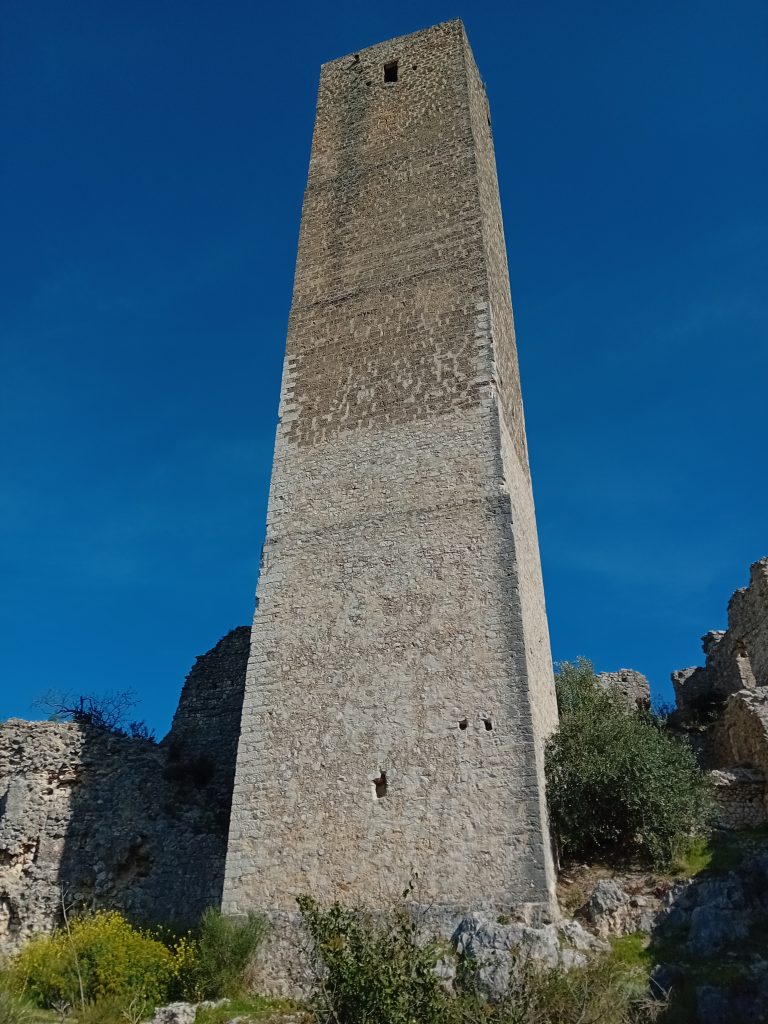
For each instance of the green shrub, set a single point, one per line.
(101, 957)
(372, 970)
(601, 991)
(12, 1009)
(217, 958)
(114, 1010)
(617, 781)
(375, 970)
(105, 968)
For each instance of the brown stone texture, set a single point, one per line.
(399, 690)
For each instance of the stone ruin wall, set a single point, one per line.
(723, 705)
(98, 819)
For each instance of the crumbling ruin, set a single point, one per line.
(89, 818)
(723, 705)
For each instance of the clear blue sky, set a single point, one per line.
(154, 158)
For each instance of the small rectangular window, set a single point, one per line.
(390, 71)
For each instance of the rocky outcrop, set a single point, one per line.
(736, 659)
(89, 818)
(722, 706)
(493, 949)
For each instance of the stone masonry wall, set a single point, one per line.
(399, 688)
(103, 820)
(741, 735)
(737, 658)
(206, 727)
(724, 704)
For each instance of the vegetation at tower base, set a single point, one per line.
(223, 950)
(375, 969)
(618, 783)
(12, 1009)
(100, 966)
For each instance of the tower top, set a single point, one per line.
(453, 27)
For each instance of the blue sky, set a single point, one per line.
(154, 159)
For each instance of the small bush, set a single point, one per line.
(373, 970)
(114, 1010)
(601, 991)
(214, 963)
(102, 957)
(12, 1009)
(617, 781)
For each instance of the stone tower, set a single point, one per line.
(399, 690)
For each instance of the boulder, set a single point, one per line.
(608, 909)
(175, 1013)
(496, 950)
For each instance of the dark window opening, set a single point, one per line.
(463, 724)
(380, 786)
(390, 71)
(488, 724)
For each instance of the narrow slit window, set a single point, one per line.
(380, 786)
(390, 71)
(488, 724)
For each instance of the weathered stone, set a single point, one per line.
(740, 796)
(496, 950)
(175, 1013)
(713, 928)
(741, 736)
(737, 658)
(400, 690)
(632, 686)
(723, 707)
(608, 909)
(579, 938)
(97, 819)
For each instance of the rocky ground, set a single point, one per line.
(703, 930)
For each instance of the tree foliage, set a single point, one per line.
(618, 782)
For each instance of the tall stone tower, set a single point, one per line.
(399, 690)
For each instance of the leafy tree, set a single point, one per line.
(618, 781)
